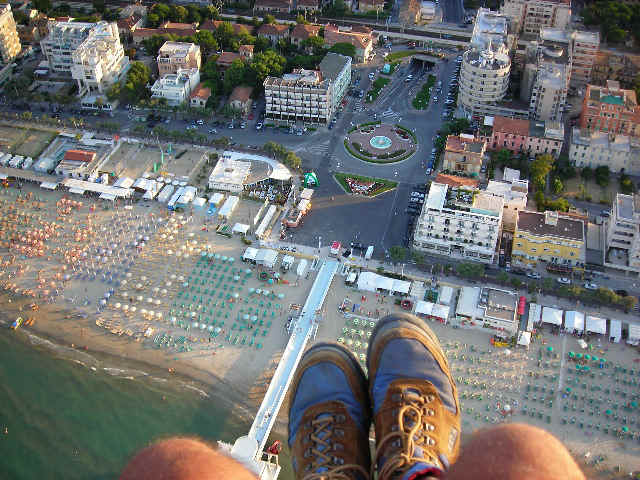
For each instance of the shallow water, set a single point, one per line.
(66, 420)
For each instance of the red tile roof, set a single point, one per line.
(511, 125)
(79, 155)
(226, 58)
(305, 31)
(358, 39)
(241, 94)
(455, 181)
(201, 92)
(273, 29)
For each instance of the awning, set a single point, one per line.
(107, 196)
(241, 228)
(79, 191)
(522, 303)
(48, 185)
(574, 321)
(524, 339)
(596, 325)
(634, 333)
(615, 332)
(552, 316)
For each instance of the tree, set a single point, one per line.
(398, 253)
(178, 13)
(41, 5)
(265, 64)
(540, 168)
(135, 86)
(557, 186)
(626, 184)
(207, 42)
(261, 44)
(418, 257)
(235, 75)
(344, 48)
(225, 35)
(301, 20)
(587, 173)
(503, 157)
(269, 19)
(314, 43)
(602, 175)
(474, 271)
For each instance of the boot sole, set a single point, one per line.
(335, 348)
(413, 320)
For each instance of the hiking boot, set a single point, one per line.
(329, 416)
(415, 401)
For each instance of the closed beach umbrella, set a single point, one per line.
(125, 308)
(143, 311)
(571, 354)
(134, 308)
(117, 305)
(158, 315)
(151, 313)
(587, 356)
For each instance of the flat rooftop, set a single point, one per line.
(535, 223)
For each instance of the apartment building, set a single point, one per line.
(623, 233)
(302, 32)
(549, 92)
(486, 65)
(176, 87)
(610, 109)
(529, 16)
(273, 6)
(308, 96)
(620, 153)
(174, 56)
(526, 136)
(370, 6)
(458, 222)
(584, 51)
(463, 154)
(361, 39)
(9, 40)
(97, 62)
(549, 237)
(515, 192)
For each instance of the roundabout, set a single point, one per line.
(380, 142)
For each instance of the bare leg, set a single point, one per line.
(183, 459)
(514, 452)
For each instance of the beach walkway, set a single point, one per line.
(251, 446)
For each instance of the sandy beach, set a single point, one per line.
(135, 282)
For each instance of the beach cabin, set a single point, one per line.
(166, 193)
(187, 196)
(199, 203)
(240, 228)
(267, 257)
(263, 229)
(302, 267)
(634, 335)
(249, 255)
(615, 331)
(596, 325)
(216, 199)
(174, 198)
(574, 322)
(228, 207)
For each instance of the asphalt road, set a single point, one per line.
(453, 11)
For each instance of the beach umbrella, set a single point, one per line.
(281, 296)
(571, 354)
(125, 308)
(594, 358)
(163, 291)
(608, 412)
(133, 308)
(151, 313)
(549, 349)
(117, 305)
(245, 317)
(195, 325)
(568, 390)
(578, 355)
(149, 300)
(139, 298)
(158, 315)
(587, 356)
(143, 311)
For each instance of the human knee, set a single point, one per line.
(514, 452)
(183, 459)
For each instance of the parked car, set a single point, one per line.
(259, 126)
(534, 275)
(622, 293)
(564, 281)
(590, 286)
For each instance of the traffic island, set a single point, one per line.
(380, 142)
(365, 186)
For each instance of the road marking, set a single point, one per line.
(391, 215)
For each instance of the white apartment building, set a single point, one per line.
(62, 41)
(9, 41)
(176, 87)
(529, 16)
(99, 61)
(461, 223)
(176, 55)
(514, 191)
(620, 153)
(549, 93)
(309, 96)
(486, 65)
(623, 233)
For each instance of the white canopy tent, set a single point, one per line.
(615, 331)
(574, 321)
(266, 257)
(49, 185)
(535, 312)
(524, 339)
(446, 295)
(596, 325)
(249, 254)
(372, 282)
(552, 316)
(77, 191)
(434, 310)
(241, 228)
(634, 334)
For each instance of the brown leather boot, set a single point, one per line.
(415, 401)
(329, 416)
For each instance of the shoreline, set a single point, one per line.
(120, 355)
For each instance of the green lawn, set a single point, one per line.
(392, 57)
(421, 102)
(376, 88)
(381, 184)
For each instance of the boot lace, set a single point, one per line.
(411, 434)
(325, 464)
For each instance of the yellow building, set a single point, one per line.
(549, 237)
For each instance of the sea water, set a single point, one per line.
(71, 415)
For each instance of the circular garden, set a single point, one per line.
(380, 142)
